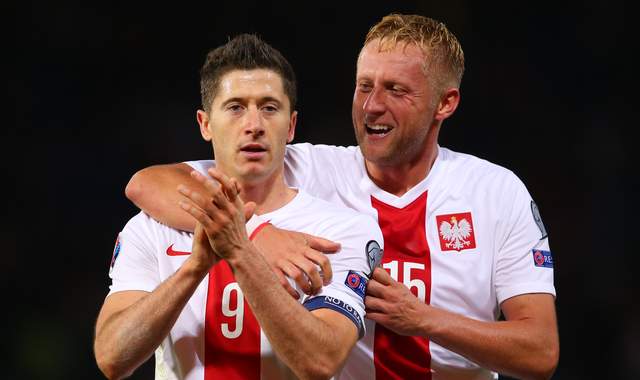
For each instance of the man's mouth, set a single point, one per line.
(377, 129)
(253, 148)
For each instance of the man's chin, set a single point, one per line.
(376, 154)
(250, 173)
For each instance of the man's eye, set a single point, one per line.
(270, 108)
(364, 87)
(234, 107)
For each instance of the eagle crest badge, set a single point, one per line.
(456, 231)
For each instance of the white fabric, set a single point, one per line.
(472, 282)
(142, 264)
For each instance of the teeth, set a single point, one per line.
(378, 128)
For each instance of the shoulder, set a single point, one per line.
(318, 151)
(337, 221)
(144, 226)
(473, 172)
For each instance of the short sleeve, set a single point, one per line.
(361, 251)
(134, 264)
(524, 263)
(201, 166)
(320, 170)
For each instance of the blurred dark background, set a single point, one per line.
(101, 90)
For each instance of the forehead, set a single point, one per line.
(256, 83)
(397, 61)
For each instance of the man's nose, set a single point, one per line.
(374, 104)
(254, 123)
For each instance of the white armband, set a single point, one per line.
(254, 225)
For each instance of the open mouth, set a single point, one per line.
(253, 148)
(377, 129)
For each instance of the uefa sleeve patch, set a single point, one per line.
(542, 258)
(114, 256)
(357, 283)
(335, 304)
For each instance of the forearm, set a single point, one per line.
(153, 190)
(127, 338)
(311, 347)
(518, 348)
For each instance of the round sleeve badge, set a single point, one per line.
(374, 255)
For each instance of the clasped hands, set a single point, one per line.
(220, 233)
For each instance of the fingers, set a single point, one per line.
(375, 289)
(229, 187)
(321, 260)
(286, 285)
(196, 198)
(377, 317)
(311, 274)
(382, 276)
(249, 209)
(293, 272)
(374, 304)
(322, 245)
(196, 212)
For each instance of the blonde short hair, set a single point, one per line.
(441, 48)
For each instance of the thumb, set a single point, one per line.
(249, 209)
(199, 234)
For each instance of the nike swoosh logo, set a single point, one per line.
(172, 252)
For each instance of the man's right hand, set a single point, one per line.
(298, 256)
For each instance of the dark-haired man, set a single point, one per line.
(209, 300)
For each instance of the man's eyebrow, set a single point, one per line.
(232, 100)
(270, 99)
(242, 100)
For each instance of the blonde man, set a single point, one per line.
(464, 241)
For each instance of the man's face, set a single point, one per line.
(393, 104)
(250, 123)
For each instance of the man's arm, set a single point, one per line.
(132, 324)
(313, 344)
(292, 254)
(153, 190)
(524, 346)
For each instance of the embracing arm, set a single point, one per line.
(153, 190)
(292, 254)
(525, 345)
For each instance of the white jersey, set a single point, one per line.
(217, 336)
(464, 239)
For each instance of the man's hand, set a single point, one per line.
(297, 255)
(392, 304)
(220, 213)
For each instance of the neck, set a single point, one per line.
(398, 178)
(269, 194)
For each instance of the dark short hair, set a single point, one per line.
(244, 52)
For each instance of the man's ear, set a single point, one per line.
(448, 103)
(292, 126)
(203, 122)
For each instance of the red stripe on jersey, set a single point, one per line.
(235, 358)
(405, 247)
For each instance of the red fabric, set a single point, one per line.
(236, 358)
(396, 356)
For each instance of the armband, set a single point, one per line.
(254, 225)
